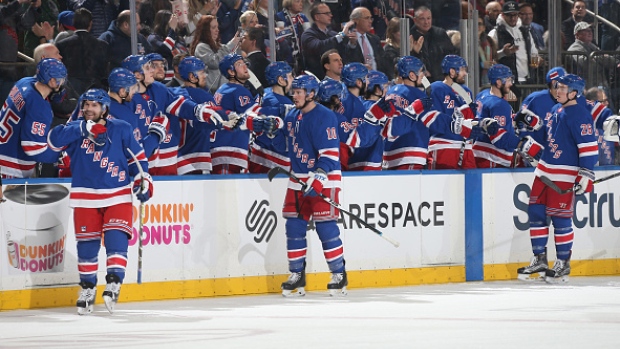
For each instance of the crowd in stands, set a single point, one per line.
(322, 38)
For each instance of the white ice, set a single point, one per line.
(507, 314)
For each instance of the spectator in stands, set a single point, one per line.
(104, 12)
(526, 14)
(46, 12)
(207, 47)
(260, 7)
(290, 46)
(493, 9)
(195, 11)
(177, 80)
(364, 47)
(148, 9)
(118, 37)
(487, 52)
(514, 43)
(165, 39)
(610, 39)
(392, 45)
(65, 25)
(319, 38)
(602, 64)
(430, 43)
(379, 16)
(332, 64)
(253, 44)
(228, 19)
(13, 18)
(578, 14)
(82, 54)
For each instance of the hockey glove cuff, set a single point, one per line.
(314, 184)
(584, 182)
(160, 126)
(143, 186)
(94, 131)
(529, 119)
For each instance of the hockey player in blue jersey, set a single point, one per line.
(26, 119)
(263, 154)
(568, 160)
(194, 155)
(353, 77)
(406, 147)
(230, 150)
(104, 176)
(447, 149)
(153, 99)
(312, 141)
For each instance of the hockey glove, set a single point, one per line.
(584, 182)
(94, 131)
(610, 129)
(460, 125)
(418, 108)
(489, 126)
(529, 147)
(314, 184)
(207, 113)
(143, 187)
(529, 119)
(160, 126)
(380, 111)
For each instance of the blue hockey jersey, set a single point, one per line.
(102, 175)
(25, 121)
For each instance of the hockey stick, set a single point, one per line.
(279, 170)
(427, 86)
(557, 189)
(461, 92)
(141, 217)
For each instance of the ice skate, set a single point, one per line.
(112, 290)
(295, 285)
(559, 272)
(86, 299)
(536, 270)
(338, 284)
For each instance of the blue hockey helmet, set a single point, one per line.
(49, 68)
(555, 73)
(353, 72)
(154, 57)
(376, 78)
(135, 63)
(275, 70)
(499, 71)
(228, 62)
(574, 83)
(329, 88)
(452, 62)
(189, 65)
(306, 82)
(408, 64)
(121, 78)
(96, 95)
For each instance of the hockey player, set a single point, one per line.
(194, 155)
(155, 98)
(263, 154)
(497, 150)
(26, 119)
(160, 68)
(229, 150)
(354, 78)
(449, 150)
(406, 148)
(312, 140)
(568, 160)
(101, 188)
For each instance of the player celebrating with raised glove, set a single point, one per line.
(568, 161)
(101, 192)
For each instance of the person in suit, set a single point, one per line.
(253, 44)
(364, 47)
(82, 54)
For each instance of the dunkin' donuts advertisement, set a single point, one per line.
(35, 218)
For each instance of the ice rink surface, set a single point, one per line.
(584, 313)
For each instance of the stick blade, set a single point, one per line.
(274, 172)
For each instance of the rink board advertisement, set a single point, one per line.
(596, 221)
(226, 228)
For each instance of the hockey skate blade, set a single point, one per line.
(109, 303)
(85, 311)
(531, 277)
(298, 292)
(338, 292)
(554, 281)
